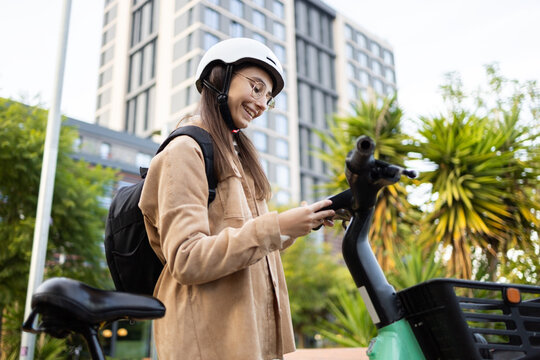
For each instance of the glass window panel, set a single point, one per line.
(281, 124)
(135, 71)
(237, 8)
(237, 30)
(211, 18)
(279, 30)
(259, 3)
(283, 176)
(348, 32)
(280, 53)
(361, 40)
(349, 49)
(105, 151)
(281, 101)
(209, 40)
(148, 63)
(259, 20)
(364, 77)
(282, 148)
(146, 20)
(375, 48)
(362, 59)
(278, 9)
(262, 120)
(259, 38)
(283, 197)
(260, 140)
(351, 71)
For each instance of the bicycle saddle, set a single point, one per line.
(67, 303)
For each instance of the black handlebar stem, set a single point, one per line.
(366, 176)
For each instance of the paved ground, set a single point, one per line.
(328, 354)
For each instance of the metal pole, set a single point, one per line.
(46, 186)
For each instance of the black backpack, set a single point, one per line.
(133, 264)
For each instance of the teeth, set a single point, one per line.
(249, 112)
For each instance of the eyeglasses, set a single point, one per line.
(258, 90)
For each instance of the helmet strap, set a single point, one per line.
(223, 97)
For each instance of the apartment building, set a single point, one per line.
(151, 48)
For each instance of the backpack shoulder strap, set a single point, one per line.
(203, 138)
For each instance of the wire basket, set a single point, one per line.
(458, 319)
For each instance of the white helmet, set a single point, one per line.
(240, 50)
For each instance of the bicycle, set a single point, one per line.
(68, 305)
(437, 319)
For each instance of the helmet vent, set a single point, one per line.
(273, 62)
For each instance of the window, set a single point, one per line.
(362, 59)
(259, 20)
(237, 8)
(351, 71)
(106, 56)
(363, 77)
(143, 23)
(108, 35)
(375, 48)
(260, 140)
(259, 3)
(283, 197)
(282, 148)
(105, 150)
(215, 2)
(377, 68)
(211, 18)
(259, 38)
(209, 40)
(349, 50)
(278, 9)
(280, 53)
(281, 102)
(388, 57)
(378, 86)
(281, 124)
(262, 120)
(283, 176)
(390, 76)
(264, 165)
(236, 30)
(351, 90)
(105, 77)
(348, 32)
(361, 41)
(279, 30)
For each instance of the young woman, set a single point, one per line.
(223, 283)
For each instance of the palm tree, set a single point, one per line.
(380, 118)
(484, 184)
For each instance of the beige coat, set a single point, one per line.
(223, 284)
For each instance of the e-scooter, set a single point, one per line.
(440, 318)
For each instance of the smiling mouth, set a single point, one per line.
(250, 112)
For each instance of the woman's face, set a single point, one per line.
(246, 85)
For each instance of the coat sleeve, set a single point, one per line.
(174, 202)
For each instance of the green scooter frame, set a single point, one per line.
(395, 342)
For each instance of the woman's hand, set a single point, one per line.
(301, 220)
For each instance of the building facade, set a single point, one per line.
(151, 48)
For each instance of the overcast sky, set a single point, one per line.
(429, 39)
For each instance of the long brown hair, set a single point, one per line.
(224, 151)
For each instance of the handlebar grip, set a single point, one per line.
(340, 201)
